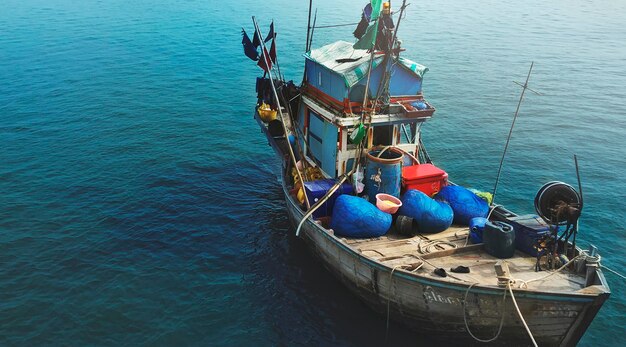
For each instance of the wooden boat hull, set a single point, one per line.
(436, 307)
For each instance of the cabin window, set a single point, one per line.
(319, 78)
(407, 133)
(383, 135)
(357, 94)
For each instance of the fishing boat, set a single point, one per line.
(365, 196)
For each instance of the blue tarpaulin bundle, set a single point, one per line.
(430, 215)
(465, 204)
(356, 217)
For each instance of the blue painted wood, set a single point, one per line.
(326, 80)
(403, 81)
(323, 143)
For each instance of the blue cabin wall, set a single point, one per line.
(331, 83)
(323, 143)
(321, 138)
(403, 81)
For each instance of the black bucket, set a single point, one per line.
(406, 226)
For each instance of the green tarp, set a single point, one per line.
(369, 38)
(354, 70)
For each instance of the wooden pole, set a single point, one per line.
(308, 28)
(282, 117)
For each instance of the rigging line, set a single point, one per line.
(334, 25)
(613, 271)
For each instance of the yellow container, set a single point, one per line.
(266, 113)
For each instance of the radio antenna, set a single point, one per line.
(508, 139)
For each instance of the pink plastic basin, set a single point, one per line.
(388, 203)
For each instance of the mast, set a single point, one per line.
(308, 28)
(280, 111)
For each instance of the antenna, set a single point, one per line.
(508, 139)
(580, 191)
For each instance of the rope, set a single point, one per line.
(319, 203)
(398, 149)
(427, 248)
(584, 255)
(509, 281)
(334, 25)
(465, 317)
(520, 315)
(493, 208)
(389, 300)
(613, 271)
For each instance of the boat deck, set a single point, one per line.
(424, 252)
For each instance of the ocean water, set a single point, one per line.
(139, 203)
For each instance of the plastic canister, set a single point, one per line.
(476, 227)
(499, 239)
(383, 173)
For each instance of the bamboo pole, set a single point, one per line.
(282, 117)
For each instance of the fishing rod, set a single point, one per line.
(508, 139)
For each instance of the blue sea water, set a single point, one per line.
(139, 204)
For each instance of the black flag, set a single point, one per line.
(256, 40)
(249, 49)
(270, 35)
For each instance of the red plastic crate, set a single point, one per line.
(426, 178)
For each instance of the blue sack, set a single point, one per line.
(356, 217)
(430, 215)
(465, 204)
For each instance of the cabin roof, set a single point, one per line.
(357, 65)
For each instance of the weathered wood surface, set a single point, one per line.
(387, 271)
(555, 313)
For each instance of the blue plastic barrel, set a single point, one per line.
(383, 172)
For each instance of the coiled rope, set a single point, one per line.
(427, 247)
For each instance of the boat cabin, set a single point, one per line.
(336, 95)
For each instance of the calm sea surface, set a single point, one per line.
(139, 204)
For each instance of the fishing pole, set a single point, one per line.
(508, 139)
